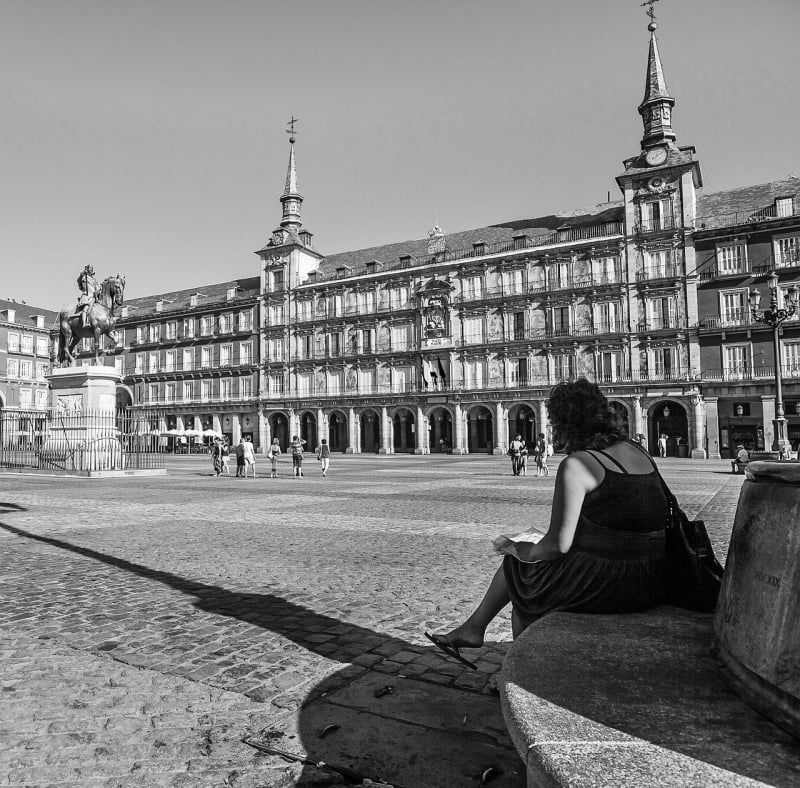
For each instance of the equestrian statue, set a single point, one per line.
(95, 316)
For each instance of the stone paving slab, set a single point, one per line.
(272, 589)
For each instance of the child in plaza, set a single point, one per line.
(273, 454)
(324, 456)
(297, 455)
(541, 456)
(249, 457)
(225, 456)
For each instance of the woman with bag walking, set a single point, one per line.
(324, 456)
(604, 551)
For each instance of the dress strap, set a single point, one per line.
(609, 457)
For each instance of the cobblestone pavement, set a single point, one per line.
(149, 624)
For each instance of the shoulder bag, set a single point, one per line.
(694, 575)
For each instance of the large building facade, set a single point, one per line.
(452, 342)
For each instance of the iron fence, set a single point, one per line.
(79, 441)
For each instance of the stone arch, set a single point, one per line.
(370, 430)
(279, 428)
(403, 430)
(480, 430)
(337, 431)
(669, 417)
(522, 421)
(308, 429)
(124, 396)
(441, 430)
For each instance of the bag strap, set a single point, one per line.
(608, 457)
(672, 501)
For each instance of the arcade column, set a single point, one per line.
(352, 432)
(698, 423)
(264, 436)
(421, 432)
(459, 447)
(384, 447)
(712, 427)
(500, 429)
(322, 426)
(638, 421)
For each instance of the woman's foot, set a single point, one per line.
(462, 637)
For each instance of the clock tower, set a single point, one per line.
(659, 187)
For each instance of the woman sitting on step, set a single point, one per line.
(604, 549)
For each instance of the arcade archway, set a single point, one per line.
(370, 432)
(403, 428)
(480, 431)
(308, 431)
(279, 428)
(669, 418)
(522, 421)
(440, 431)
(337, 431)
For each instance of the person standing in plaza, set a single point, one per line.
(225, 456)
(239, 452)
(541, 456)
(324, 456)
(515, 452)
(249, 457)
(273, 454)
(216, 456)
(662, 445)
(297, 455)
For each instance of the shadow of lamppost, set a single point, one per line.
(774, 317)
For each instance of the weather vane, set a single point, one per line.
(294, 120)
(650, 11)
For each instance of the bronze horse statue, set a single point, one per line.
(101, 320)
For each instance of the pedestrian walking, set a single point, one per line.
(216, 456)
(249, 457)
(324, 456)
(604, 551)
(297, 455)
(523, 460)
(515, 452)
(239, 452)
(662, 445)
(540, 455)
(273, 454)
(225, 456)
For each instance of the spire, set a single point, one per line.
(657, 104)
(291, 198)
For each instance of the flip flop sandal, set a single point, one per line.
(451, 651)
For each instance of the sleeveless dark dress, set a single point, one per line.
(616, 563)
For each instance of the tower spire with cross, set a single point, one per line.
(657, 104)
(291, 199)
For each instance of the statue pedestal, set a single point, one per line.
(82, 433)
(757, 624)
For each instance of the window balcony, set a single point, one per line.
(759, 216)
(653, 273)
(732, 319)
(656, 225)
(661, 324)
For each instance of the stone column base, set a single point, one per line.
(698, 454)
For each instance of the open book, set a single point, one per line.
(534, 537)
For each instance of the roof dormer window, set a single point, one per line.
(784, 206)
(159, 305)
(231, 294)
(193, 300)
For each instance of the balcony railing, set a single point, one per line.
(652, 273)
(656, 225)
(720, 221)
(761, 372)
(661, 324)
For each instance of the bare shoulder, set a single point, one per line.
(581, 468)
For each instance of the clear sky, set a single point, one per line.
(148, 137)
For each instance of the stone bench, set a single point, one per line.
(634, 700)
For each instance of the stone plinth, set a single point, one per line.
(79, 389)
(757, 624)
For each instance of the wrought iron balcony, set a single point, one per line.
(761, 215)
(652, 273)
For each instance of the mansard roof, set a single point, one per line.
(748, 199)
(464, 240)
(25, 313)
(211, 296)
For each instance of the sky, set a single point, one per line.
(148, 138)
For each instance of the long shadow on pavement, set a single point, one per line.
(382, 728)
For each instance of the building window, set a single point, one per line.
(172, 329)
(141, 333)
(518, 325)
(206, 357)
(225, 353)
(43, 369)
(246, 352)
(791, 358)
(399, 298)
(25, 398)
(660, 313)
(246, 320)
(206, 325)
(276, 314)
(226, 323)
(519, 371)
(169, 361)
(513, 281)
(188, 327)
(473, 374)
(170, 392)
(41, 346)
(206, 390)
(41, 398)
(334, 382)
(784, 206)
(606, 270)
(366, 340)
(473, 287)
(399, 337)
(277, 279)
(276, 384)
(609, 366)
(225, 389)
(606, 318)
(659, 263)
(561, 275)
(153, 392)
(560, 320)
(736, 361)
(155, 332)
(334, 344)
(303, 310)
(657, 215)
(734, 309)
(473, 330)
(276, 350)
(13, 342)
(245, 388)
(188, 390)
(153, 363)
(188, 358)
(231, 293)
(731, 259)
(787, 251)
(193, 300)
(564, 366)
(139, 368)
(12, 368)
(664, 366)
(25, 369)
(119, 365)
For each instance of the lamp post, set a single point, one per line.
(775, 317)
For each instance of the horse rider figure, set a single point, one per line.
(89, 290)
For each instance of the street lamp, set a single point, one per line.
(774, 317)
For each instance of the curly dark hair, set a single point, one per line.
(582, 418)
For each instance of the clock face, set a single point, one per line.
(656, 156)
(277, 238)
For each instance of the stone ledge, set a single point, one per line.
(632, 700)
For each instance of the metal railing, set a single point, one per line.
(719, 221)
(653, 272)
(656, 225)
(78, 441)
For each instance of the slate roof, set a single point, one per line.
(178, 300)
(748, 199)
(493, 233)
(24, 313)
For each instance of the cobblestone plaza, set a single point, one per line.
(150, 624)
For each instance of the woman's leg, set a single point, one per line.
(470, 633)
